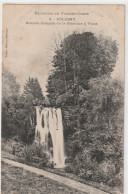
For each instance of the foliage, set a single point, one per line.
(9, 85)
(79, 58)
(12, 148)
(33, 92)
(31, 97)
(10, 95)
(97, 149)
(36, 153)
(18, 111)
(92, 105)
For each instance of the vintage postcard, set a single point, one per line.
(62, 99)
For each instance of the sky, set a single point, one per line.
(27, 47)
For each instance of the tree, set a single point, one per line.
(32, 91)
(101, 107)
(91, 103)
(79, 58)
(18, 111)
(31, 97)
(10, 95)
(100, 141)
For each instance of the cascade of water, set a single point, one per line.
(49, 123)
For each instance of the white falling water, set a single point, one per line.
(49, 121)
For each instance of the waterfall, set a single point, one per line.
(50, 130)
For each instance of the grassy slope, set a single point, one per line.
(69, 175)
(18, 181)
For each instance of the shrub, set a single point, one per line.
(36, 153)
(107, 169)
(69, 168)
(13, 146)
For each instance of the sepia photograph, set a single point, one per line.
(62, 126)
